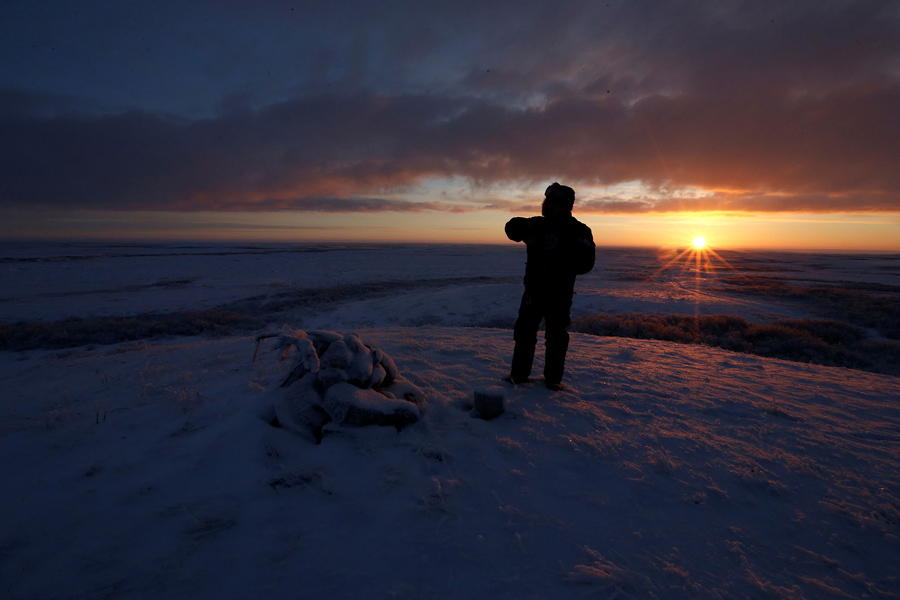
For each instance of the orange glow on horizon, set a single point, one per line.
(850, 232)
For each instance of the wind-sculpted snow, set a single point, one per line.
(145, 457)
(663, 470)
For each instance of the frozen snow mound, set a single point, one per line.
(337, 378)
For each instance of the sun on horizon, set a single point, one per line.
(699, 242)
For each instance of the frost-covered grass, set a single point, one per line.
(819, 341)
(69, 333)
(865, 304)
(243, 315)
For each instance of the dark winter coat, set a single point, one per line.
(559, 248)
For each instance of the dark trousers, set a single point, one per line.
(554, 309)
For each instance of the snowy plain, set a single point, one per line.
(150, 468)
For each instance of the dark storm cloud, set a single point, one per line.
(770, 106)
(292, 155)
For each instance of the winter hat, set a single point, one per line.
(560, 195)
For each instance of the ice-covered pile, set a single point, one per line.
(337, 378)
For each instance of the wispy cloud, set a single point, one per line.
(355, 205)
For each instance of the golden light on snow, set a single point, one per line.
(699, 258)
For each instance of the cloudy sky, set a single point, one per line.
(757, 123)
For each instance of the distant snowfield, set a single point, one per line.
(661, 471)
(55, 282)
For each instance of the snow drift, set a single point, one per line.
(663, 471)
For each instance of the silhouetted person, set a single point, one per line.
(559, 248)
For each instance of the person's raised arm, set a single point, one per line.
(518, 229)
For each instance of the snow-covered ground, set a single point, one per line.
(446, 285)
(661, 471)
